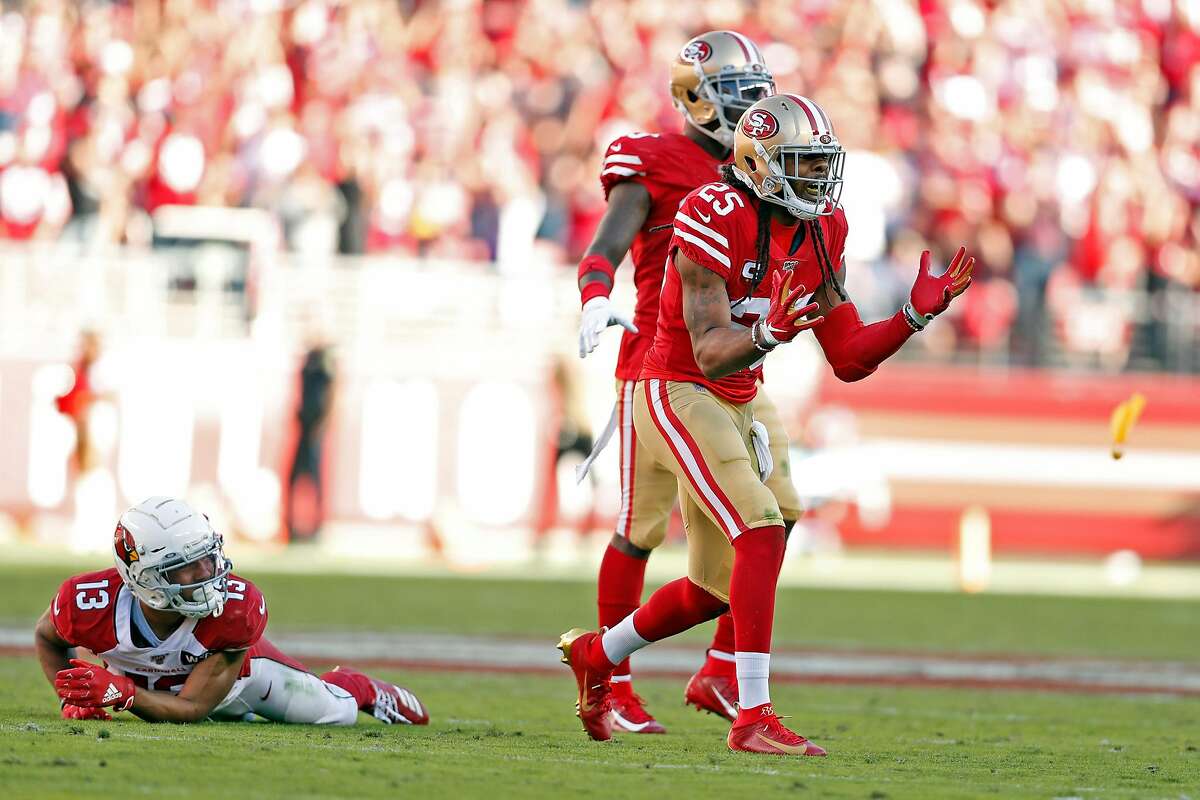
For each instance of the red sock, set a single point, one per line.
(723, 638)
(723, 642)
(357, 684)
(619, 590)
(758, 555)
(672, 609)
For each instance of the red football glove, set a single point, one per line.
(784, 321)
(79, 712)
(92, 686)
(931, 296)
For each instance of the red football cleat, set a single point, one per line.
(393, 705)
(594, 705)
(629, 714)
(768, 735)
(716, 694)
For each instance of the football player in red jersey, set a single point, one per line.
(715, 78)
(181, 638)
(742, 253)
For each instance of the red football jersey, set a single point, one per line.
(717, 227)
(95, 611)
(669, 165)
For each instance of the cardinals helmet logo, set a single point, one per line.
(124, 545)
(760, 125)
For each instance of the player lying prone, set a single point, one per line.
(181, 638)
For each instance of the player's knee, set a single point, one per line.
(763, 545)
(645, 538)
(701, 601)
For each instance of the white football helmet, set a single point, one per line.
(160, 535)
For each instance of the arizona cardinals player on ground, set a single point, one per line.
(181, 638)
(741, 254)
(714, 80)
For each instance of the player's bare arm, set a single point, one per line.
(53, 654)
(721, 349)
(205, 688)
(628, 208)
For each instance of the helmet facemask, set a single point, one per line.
(819, 194)
(728, 93)
(155, 586)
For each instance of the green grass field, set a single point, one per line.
(504, 736)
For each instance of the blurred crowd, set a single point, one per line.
(1058, 139)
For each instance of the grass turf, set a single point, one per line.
(501, 736)
(510, 736)
(1049, 625)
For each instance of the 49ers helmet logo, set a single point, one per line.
(696, 51)
(124, 545)
(760, 125)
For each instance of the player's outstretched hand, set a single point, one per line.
(92, 686)
(80, 712)
(599, 314)
(784, 320)
(932, 295)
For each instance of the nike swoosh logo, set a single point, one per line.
(262, 605)
(56, 605)
(786, 748)
(703, 216)
(270, 686)
(632, 727)
(584, 707)
(724, 703)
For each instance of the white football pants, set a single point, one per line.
(283, 694)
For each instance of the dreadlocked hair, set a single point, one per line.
(828, 272)
(762, 241)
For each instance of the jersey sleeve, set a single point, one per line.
(83, 610)
(703, 233)
(839, 228)
(629, 158)
(241, 624)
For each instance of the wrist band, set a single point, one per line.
(915, 321)
(754, 336)
(596, 277)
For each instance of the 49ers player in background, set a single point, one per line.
(741, 254)
(715, 78)
(182, 638)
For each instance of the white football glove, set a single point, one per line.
(598, 314)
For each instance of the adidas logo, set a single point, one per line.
(111, 694)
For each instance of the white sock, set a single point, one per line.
(622, 640)
(753, 675)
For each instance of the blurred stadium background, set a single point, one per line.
(218, 192)
(311, 264)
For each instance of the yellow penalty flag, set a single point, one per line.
(1123, 418)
